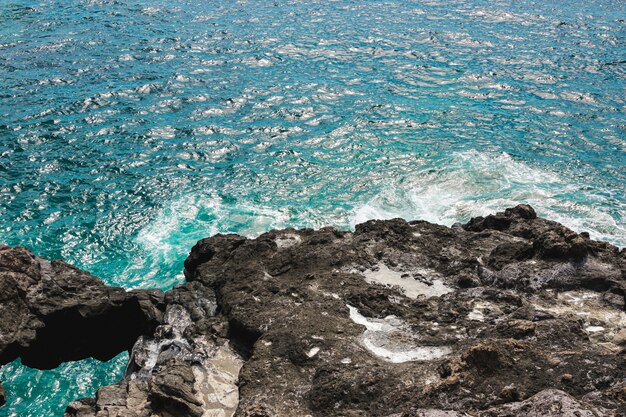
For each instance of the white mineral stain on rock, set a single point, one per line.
(481, 309)
(287, 240)
(407, 283)
(476, 315)
(391, 340)
(601, 321)
(314, 351)
(594, 329)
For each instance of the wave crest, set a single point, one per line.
(472, 183)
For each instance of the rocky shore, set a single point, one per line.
(507, 315)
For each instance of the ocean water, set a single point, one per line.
(129, 129)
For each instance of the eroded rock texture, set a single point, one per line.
(397, 318)
(184, 369)
(53, 312)
(508, 315)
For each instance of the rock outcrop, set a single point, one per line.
(402, 316)
(507, 315)
(53, 312)
(186, 368)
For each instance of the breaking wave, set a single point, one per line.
(472, 183)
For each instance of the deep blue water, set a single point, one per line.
(129, 129)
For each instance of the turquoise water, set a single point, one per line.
(129, 129)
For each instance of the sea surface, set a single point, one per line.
(129, 129)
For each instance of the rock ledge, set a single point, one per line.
(507, 315)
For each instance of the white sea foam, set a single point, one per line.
(473, 183)
(465, 185)
(177, 227)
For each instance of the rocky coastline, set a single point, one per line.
(506, 315)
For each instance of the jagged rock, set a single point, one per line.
(507, 315)
(431, 413)
(611, 398)
(3, 395)
(547, 403)
(404, 316)
(620, 338)
(53, 312)
(183, 369)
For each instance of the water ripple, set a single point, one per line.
(128, 130)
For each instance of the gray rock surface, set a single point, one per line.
(508, 315)
(184, 369)
(548, 403)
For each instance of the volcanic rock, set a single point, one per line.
(182, 369)
(404, 316)
(53, 312)
(507, 315)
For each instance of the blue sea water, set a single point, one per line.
(129, 129)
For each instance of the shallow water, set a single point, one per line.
(131, 128)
